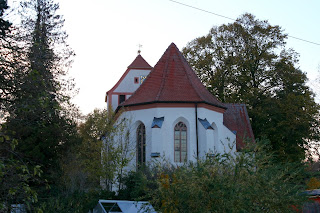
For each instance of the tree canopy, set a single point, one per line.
(247, 62)
(39, 110)
(4, 24)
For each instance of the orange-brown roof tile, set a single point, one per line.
(139, 63)
(172, 80)
(236, 119)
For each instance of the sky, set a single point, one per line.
(105, 34)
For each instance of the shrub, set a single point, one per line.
(250, 181)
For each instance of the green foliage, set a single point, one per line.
(135, 183)
(40, 112)
(4, 24)
(12, 62)
(82, 165)
(78, 201)
(246, 62)
(313, 183)
(101, 156)
(117, 152)
(35, 99)
(138, 185)
(97, 160)
(250, 181)
(17, 177)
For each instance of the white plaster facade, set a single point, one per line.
(126, 86)
(161, 140)
(174, 92)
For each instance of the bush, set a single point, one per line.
(313, 183)
(250, 181)
(78, 201)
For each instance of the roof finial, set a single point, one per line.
(139, 50)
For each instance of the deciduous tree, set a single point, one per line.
(102, 155)
(246, 62)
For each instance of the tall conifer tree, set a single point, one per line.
(39, 115)
(4, 24)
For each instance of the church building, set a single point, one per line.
(173, 115)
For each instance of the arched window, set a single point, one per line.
(180, 142)
(141, 145)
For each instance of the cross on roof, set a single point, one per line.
(139, 50)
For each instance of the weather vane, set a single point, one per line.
(139, 50)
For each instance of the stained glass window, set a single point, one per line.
(180, 142)
(141, 145)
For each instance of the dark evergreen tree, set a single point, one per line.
(40, 114)
(16, 173)
(6, 77)
(4, 24)
(246, 61)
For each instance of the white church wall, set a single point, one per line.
(134, 121)
(133, 137)
(161, 140)
(210, 143)
(156, 145)
(128, 84)
(115, 100)
(215, 137)
(202, 139)
(222, 136)
(206, 141)
(227, 143)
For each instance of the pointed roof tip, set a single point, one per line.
(173, 44)
(172, 80)
(139, 63)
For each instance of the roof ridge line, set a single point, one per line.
(185, 63)
(172, 79)
(139, 63)
(163, 79)
(187, 66)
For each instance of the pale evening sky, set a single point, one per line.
(105, 34)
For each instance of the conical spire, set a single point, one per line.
(139, 63)
(172, 80)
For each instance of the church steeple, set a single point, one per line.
(139, 63)
(129, 82)
(172, 80)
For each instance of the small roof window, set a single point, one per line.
(157, 122)
(205, 123)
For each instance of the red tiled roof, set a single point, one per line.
(172, 80)
(236, 119)
(139, 63)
